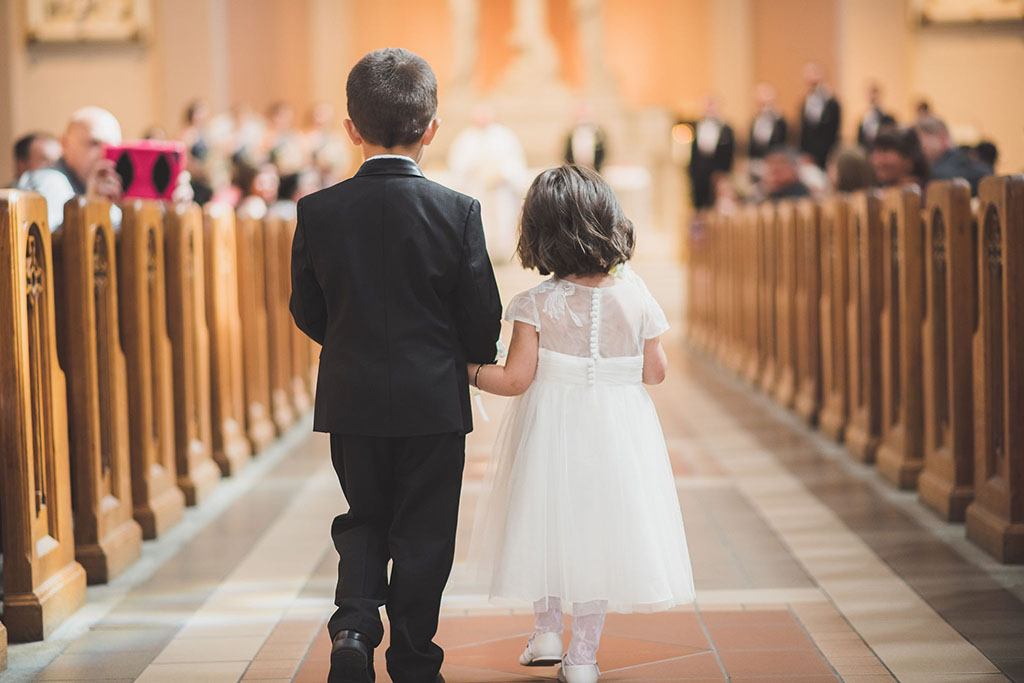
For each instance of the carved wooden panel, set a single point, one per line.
(946, 483)
(785, 303)
(808, 310)
(900, 453)
(252, 306)
(835, 295)
(767, 274)
(143, 313)
(197, 472)
(995, 520)
(42, 582)
(301, 382)
(231, 448)
(863, 320)
(279, 321)
(107, 538)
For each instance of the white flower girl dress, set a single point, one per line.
(579, 501)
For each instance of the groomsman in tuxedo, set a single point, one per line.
(712, 150)
(767, 131)
(820, 117)
(585, 144)
(874, 119)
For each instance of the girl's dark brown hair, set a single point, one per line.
(573, 225)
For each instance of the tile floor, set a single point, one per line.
(808, 568)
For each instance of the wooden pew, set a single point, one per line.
(3, 647)
(143, 314)
(901, 450)
(107, 537)
(252, 307)
(42, 582)
(231, 449)
(808, 311)
(785, 303)
(751, 260)
(279, 320)
(835, 295)
(946, 483)
(197, 473)
(767, 274)
(863, 318)
(301, 383)
(995, 520)
(734, 275)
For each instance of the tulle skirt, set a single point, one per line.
(579, 501)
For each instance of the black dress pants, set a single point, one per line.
(403, 496)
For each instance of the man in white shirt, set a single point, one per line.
(820, 119)
(712, 151)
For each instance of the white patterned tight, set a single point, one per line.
(587, 624)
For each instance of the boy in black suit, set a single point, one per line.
(391, 275)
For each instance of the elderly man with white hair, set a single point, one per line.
(82, 168)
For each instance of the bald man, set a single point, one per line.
(82, 168)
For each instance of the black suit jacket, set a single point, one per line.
(756, 150)
(702, 166)
(391, 275)
(818, 138)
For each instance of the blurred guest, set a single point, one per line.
(258, 185)
(812, 176)
(282, 140)
(290, 190)
(197, 116)
(945, 159)
(987, 153)
(712, 150)
(325, 148)
(820, 117)
(489, 163)
(727, 198)
(585, 144)
(33, 152)
(82, 168)
(781, 175)
(768, 129)
(897, 158)
(849, 170)
(923, 109)
(874, 119)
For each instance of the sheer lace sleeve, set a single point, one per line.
(524, 309)
(654, 322)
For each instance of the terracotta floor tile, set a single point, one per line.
(676, 628)
(703, 666)
(774, 663)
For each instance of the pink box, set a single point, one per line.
(149, 169)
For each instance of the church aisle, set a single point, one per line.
(808, 567)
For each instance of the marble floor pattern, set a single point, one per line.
(808, 567)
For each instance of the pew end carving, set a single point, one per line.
(835, 362)
(42, 582)
(231, 448)
(107, 537)
(279, 321)
(900, 451)
(767, 272)
(785, 303)
(863, 320)
(995, 519)
(807, 324)
(159, 503)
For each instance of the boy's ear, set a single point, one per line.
(431, 131)
(353, 132)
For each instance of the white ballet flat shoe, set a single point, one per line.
(544, 649)
(582, 673)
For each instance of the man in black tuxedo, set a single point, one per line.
(712, 151)
(391, 275)
(767, 131)
(874, 119)
(820, 117)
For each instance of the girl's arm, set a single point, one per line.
(655, 361)
(512, 378)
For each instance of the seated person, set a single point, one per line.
(897, 158)
(850, 170)
(946, 160)
(33, 152)
(258, 186)
(82, 168)
(782, 175)
(987, 153)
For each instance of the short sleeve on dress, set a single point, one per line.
(524, 309)
(654, 322)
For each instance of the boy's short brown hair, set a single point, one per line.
(392, 97)
(573, 225)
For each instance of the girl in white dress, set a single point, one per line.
(579, 509)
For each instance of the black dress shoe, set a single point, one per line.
(351, 659)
